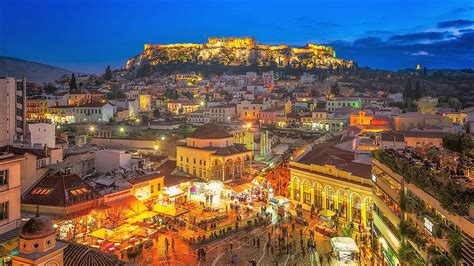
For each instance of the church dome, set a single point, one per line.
(210, 131)
(37, 227)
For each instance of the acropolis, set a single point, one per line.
(233, 51)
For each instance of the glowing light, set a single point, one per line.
(138, 120)
(122, 129)
(163, 138)
(92, 128)
(249, 125)
(202, 103)
(58, 126)
(155, 147)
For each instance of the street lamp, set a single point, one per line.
(122, 129)
(155, 147)
(92, 128)
(162, 138)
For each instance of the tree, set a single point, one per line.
(50, 89)
(418, 92)
(72, 82)
(335, 89)
(108, 73)
(408, 90)
(426, 105)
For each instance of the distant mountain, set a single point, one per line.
(33, 71)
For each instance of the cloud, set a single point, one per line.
(421, 53)
(455, 52)
(458, 23)
(461, 10)
(421, 37)
(378, 32)
(368, 41)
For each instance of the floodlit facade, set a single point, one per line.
(12, 110)
(210, 153)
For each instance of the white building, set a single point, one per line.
(109, 160)
(42, 134)
(396, 97)
(93, 113)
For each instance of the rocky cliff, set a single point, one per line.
(233, 53)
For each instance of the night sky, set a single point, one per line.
(88, 35)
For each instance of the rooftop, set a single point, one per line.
(210, 131)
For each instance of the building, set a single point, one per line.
(272, 116)
(182, 106)
(36, 165)
(61, 195)
(12, 110)
(10, 172)
(250, 110)
(38, 246)
(145, 102)
(328, 177)
(93, 113)
(36, 108)
(148, 186)
(61, 114)
(415, 120)
(415, 207)
(343, 103)
(42, 134)
(110, 160)
(210, 153)
(223, 113)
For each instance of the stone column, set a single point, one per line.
(363, 214)
(233, 170)
(323, 193)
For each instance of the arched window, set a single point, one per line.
(342, 208)
(356, 207)
(296, 188)
(330, 198)
(306, 192)
(318, 195)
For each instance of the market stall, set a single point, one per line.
(326, 225)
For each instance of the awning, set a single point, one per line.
(132, 205)
(327, 213)
(142, 216)
(169, 210)
(102, 233)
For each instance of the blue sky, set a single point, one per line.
(89, 35)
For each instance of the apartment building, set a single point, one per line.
(12, 110)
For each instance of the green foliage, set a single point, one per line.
(108, 73)
(50, 89)
(458, 142)
(116, 94)
(408, 90)
(453, 197)
(406, 253)
(72, 82)
(145, 71)
(335, 89)
(347, 231)
(455, 245)
(171, 94)
(418, 92)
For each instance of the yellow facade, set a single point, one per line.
(202, 162)
(326, 187)
(360, 118)
(148, 189)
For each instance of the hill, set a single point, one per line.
(33, 71)
(230, 51)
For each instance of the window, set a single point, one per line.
(19, 112)
(152, 189)
(19, 99)
(41, 191)
(3, 177)
(4, 211)
(158, 187)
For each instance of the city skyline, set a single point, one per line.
(86, 36)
